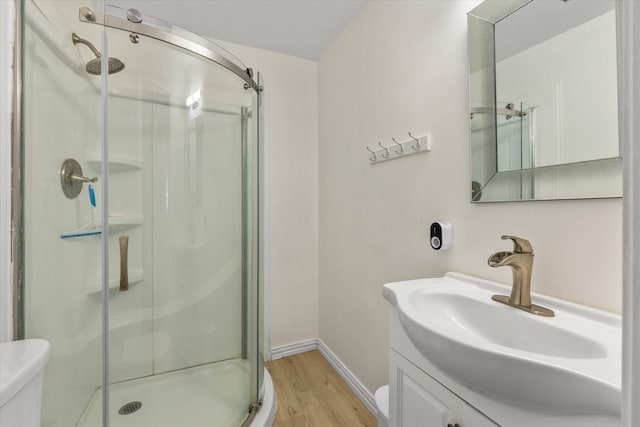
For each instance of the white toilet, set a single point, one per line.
(21, 378)
(382, 406)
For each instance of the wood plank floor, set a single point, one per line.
(309, 393)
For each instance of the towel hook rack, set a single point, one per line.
(398, 149)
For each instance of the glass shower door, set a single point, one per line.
(61, 236)
(183, 238)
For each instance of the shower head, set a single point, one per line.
(94, 66)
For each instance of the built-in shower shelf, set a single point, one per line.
(135, 276)
(121, 222)
(117, 163)
(117, 223)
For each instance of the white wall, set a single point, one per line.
(402, 66)
(7, 17)
(292, 134)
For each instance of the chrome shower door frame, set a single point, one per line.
(180, 38)
(17, 181)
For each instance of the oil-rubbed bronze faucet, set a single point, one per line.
(521, 263)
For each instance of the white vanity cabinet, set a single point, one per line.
(417, 400)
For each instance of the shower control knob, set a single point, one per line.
(71, 178)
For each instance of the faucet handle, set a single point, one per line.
(520, 245)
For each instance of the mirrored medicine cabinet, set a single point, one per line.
(543, 100)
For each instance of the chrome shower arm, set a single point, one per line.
(77, 40)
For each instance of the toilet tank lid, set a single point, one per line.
(20, 361)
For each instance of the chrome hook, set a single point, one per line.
(401, 152)
(386, 150)
(375, 155)
(417, 147)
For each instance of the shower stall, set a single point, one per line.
(138, 220)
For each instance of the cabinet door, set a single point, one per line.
(417, 400)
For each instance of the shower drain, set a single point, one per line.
(129, 408)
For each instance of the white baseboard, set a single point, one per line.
(352, 381)
(317, 344)
(294, 348)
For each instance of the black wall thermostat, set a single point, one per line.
(441, 234)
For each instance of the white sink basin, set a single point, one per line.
(567, 364)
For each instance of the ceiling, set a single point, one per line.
(303, 28)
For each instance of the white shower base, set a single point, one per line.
(211, 395)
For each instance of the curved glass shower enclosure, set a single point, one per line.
(140, 216)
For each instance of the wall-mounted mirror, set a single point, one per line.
(543, 100)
